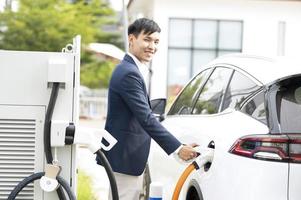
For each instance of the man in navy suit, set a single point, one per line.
(130, 119)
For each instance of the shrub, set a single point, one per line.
(84, 187)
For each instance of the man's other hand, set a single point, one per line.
(187, 152)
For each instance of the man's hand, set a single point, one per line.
(187, 152)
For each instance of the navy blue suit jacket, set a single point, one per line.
(131, 122)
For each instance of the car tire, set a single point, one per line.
(146, 184)
(194, 191)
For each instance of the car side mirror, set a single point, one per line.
(158, 108)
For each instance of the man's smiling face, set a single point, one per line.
(144, 46)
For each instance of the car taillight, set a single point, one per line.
(281, 148)
(295, 148)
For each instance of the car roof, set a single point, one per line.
(264, 69)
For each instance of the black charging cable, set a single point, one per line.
(110, 174)
(36, 176)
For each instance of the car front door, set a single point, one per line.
(193, 116)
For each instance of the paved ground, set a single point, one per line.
(86, 162)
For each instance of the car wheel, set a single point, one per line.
(192, 194)
(146, 184)
(194, 191)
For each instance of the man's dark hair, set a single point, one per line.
(147, 26)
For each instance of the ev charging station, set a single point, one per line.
(26, 79)
(27, 84)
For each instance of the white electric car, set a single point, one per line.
(248, 109)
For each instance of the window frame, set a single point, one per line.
(248, 76)
(251, 97)
(192, 47)
(224, 89)
(211, 69)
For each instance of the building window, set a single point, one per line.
(194, 42)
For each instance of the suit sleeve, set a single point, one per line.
(133, 94)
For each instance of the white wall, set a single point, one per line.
(260, 27)
(140, 9)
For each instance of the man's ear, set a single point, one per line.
(130, 38)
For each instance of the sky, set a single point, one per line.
(117, 4)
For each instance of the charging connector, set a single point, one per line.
(92, 137)
(64, 133)
(58, 133)
(206, 156)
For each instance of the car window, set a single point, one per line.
(184, 103)
(238, 90)
(289, 106)
(255, 107)
(210, 98)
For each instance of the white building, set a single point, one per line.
(196, 31)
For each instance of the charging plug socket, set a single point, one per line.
(58, 133)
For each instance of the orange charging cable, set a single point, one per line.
(182, 179)
(205, 157)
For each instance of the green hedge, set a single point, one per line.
(84, 187)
